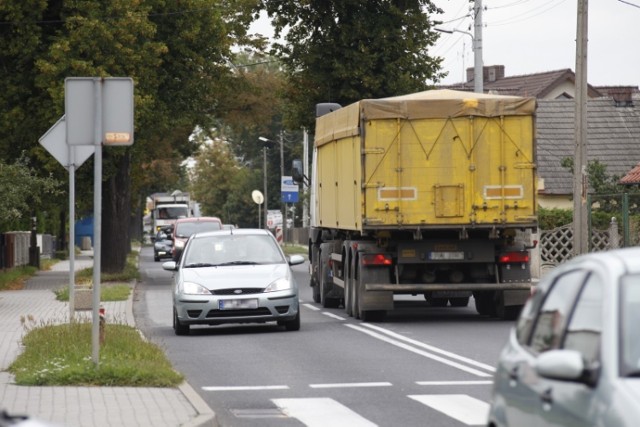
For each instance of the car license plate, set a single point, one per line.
(234, 304)
(439, 256)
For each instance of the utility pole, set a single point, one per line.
(478, 66)
(580, 181)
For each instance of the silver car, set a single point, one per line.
(573, 358)
(234, 276)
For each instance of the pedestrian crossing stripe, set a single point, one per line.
(321, 412)
(463, 408)
(324, 411)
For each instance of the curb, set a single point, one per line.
(206, 416)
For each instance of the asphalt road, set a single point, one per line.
(421, 366)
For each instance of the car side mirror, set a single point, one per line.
(566, 365)
(170, 266)
(296, 259)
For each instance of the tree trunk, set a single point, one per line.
(116, 211)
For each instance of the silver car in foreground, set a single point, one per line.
(573, 358)
(234, 276)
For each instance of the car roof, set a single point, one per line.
(199, 219)
(236, 232)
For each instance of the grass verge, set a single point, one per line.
(61, 355)
(108, 292)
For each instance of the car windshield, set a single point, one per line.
(629, 321)
(232, 249)
(186, 229)
(173, 212)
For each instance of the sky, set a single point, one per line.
(534, 36)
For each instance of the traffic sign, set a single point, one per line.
(102, 106)
(55, 142)
(289, 190)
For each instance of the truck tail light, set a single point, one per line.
(376, 259)
(513, 257)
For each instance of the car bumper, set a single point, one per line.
(197, 310)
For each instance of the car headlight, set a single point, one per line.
(280, 284)
(190, 288)
(179, 244)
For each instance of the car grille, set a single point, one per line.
(237, 291)
(261, 311)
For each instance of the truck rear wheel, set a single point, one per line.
(325, 285)
(506, 312)
(485, 303)
(348, 287)
(365, 315)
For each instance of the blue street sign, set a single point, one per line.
(290, 196)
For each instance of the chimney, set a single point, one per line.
(622, 96)
(493, 73)
(490, 73)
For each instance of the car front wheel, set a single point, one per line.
(292, 325)
(179, 328)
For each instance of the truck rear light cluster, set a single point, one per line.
(376, 259)
(513, 257)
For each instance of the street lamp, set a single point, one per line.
(476, 42)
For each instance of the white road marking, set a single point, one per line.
(431, 348)
(348, 385)
(245, 388)
(311, 307)
(420, 352)
(335, 316)
(321, 412)
(461, 407)
(454, 382)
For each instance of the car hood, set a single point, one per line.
(237, 276)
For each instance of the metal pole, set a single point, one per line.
(478, 69)
(580, 179)
(264, 168)
(283, 206)
(97, 223)
(305, 172)
(72, 233)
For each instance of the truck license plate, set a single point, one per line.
(440, 256)
(234, 304)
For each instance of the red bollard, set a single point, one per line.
(102, 323)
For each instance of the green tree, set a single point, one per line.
(345, 50)
(176, 52)
(22, 190)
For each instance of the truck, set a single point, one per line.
(167, 208)
(432, 194)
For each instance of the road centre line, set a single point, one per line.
(311, 307)
(247, 388)
(432, 348)
(418, 351)
(350, 385)
(454, 382)
(334, 316)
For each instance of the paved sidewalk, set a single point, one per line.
(83, 406)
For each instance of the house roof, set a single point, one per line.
(537, 85)
(632, 177)
(613, 138)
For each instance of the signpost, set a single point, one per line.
(98, 111)
(71, 157)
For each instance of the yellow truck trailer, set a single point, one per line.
(428, 193)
